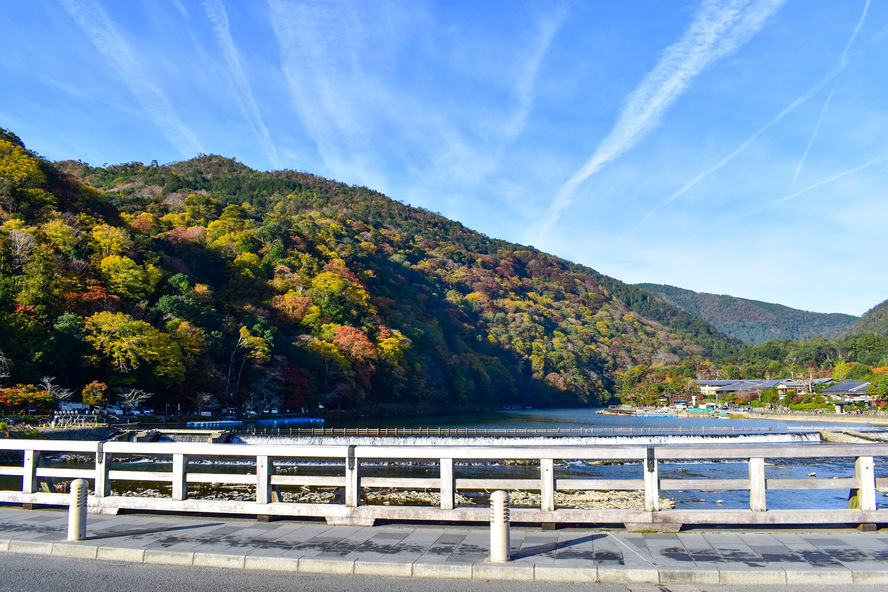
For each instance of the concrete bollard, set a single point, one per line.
(77, 510)
(499, 527)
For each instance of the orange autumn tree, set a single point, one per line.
(21, 396)
(95, 394)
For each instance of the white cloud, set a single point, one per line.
(525, 87)
(243, 94)
(369, 119)
(743, 146)
(181, 8)
(326, 59)
(842, 62)
(830, 179)
(718, 30)
(102, 31)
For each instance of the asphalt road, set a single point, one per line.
(33, 573)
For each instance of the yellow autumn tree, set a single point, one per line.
(126, 344)
(21, 180)
(108, 240)
(62, 235)
(340, 299)
(127, 278)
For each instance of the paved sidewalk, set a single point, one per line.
(572, 555)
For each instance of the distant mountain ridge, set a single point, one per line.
(875, 320)
(753, 321)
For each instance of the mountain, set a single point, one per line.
(752, 321)
(875, 320)
(208, 283)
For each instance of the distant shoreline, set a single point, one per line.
(795, 417)
(817, 417)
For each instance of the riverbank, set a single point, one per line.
(878, 420)
(795, 416)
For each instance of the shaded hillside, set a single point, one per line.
(875, 320)
(209, 283)
(752, 321)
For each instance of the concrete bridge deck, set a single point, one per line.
(701, 556)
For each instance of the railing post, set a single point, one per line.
(864, 496)
(757, 485)
(77, 510)
(352, 479)
(103, 484)
(29, 472)
(499, 527)
(447, 484)
(547, 485)
(651, 482)
(180, 483)
(264, 471)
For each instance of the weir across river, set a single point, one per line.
(266, 473)
(521, 432)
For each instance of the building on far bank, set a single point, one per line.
(847, 393)
(709, 388)
(842, 394)
(847, 388)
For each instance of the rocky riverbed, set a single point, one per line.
(583, 500)
(589, 500)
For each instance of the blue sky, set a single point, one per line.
(735, 147)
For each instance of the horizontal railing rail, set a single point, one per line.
(266, 468)
(521, 432)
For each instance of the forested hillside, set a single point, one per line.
(207, 284)
(875, 320)
(752, 321)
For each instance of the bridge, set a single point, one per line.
(270, 469)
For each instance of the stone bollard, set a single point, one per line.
(77, 510)
(499, 527)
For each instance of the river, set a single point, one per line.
(616, 429)
(596, 429)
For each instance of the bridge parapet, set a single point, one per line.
(267, 469)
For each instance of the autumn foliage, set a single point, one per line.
(262, 290)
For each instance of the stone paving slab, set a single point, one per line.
(701, 557)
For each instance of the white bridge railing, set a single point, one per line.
(263, 462)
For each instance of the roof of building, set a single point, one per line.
(847, 387)
(774, 382)
(741, 385)
(760, 385)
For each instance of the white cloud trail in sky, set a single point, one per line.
(792, 107)
(718, 30)
(526, 83)
(341, 89)
(331, 79)
(842, 63)
(103, 32)
(181, 8)
(705, 173)
(798, 170)
(218, 16)
(746, 143)
(835, 177)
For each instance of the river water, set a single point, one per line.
(604, 429)
(622, 430)
(576, 418)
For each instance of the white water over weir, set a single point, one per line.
(635, 440)
(269, 477)
(566, 432)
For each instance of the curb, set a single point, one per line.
(477, 571)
